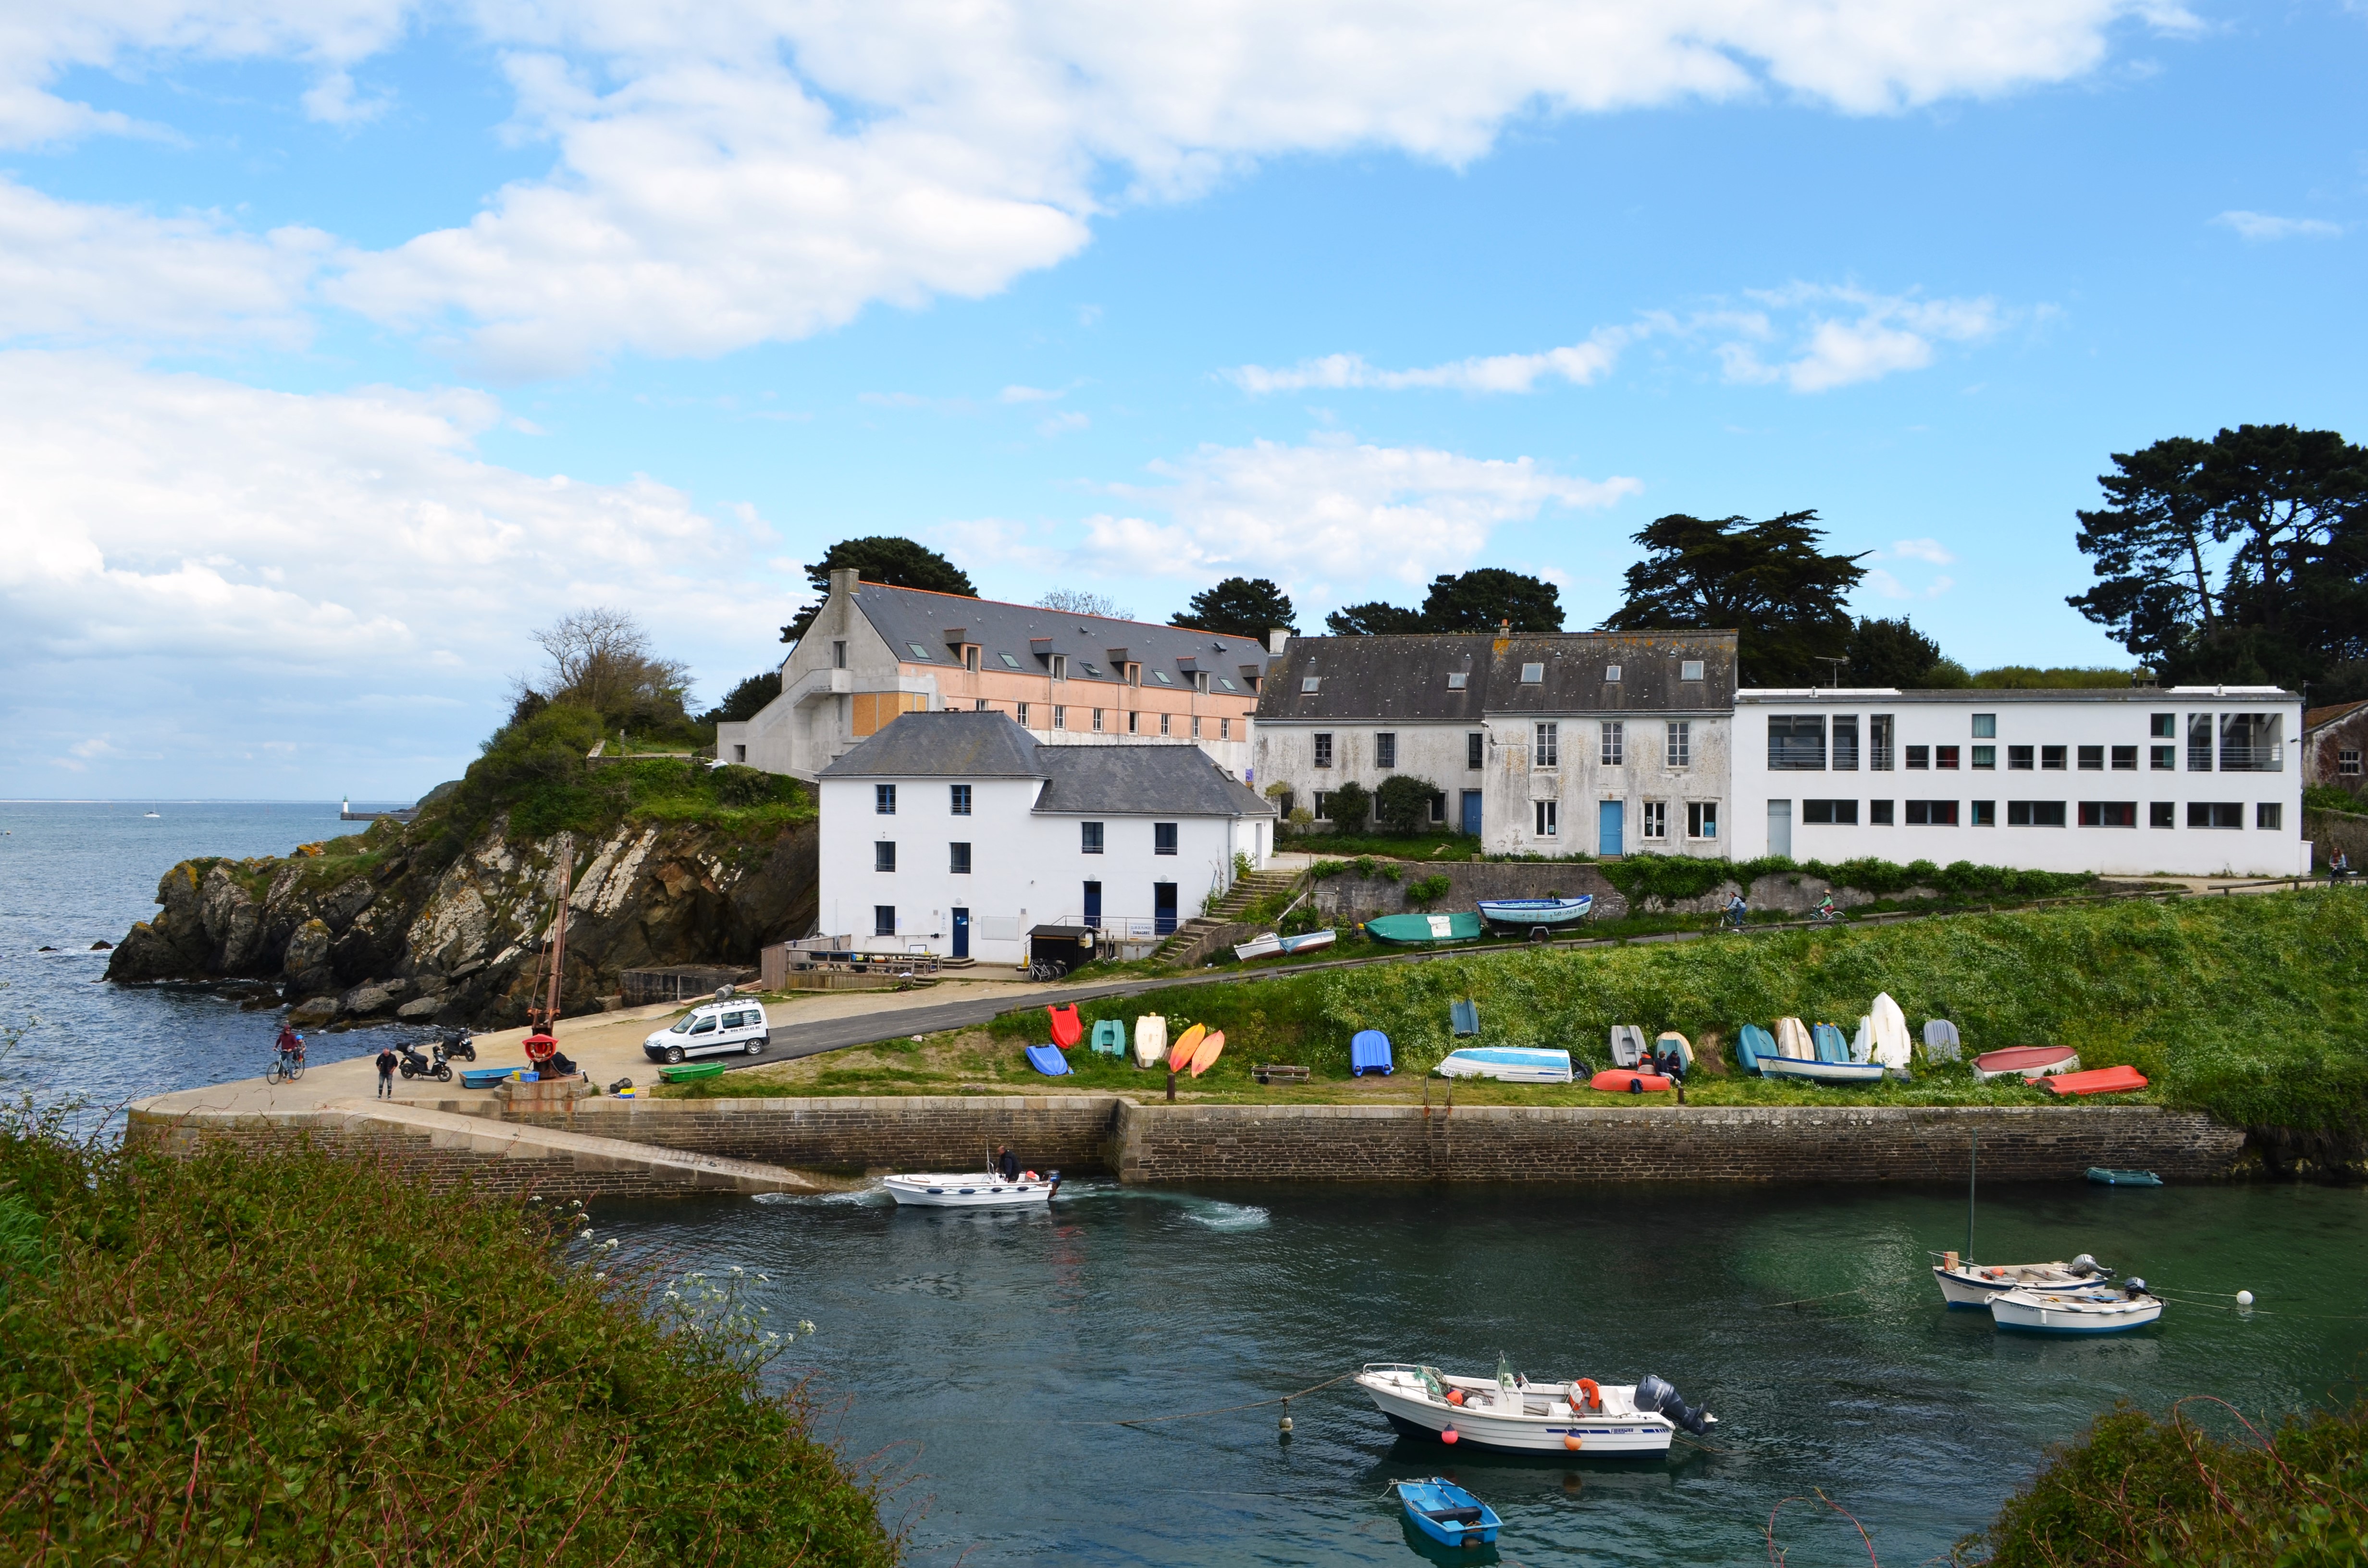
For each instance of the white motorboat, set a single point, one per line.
(2097, 1309)
(1508, 1063)
(1965, 1283)
(972, 1189)
(1509, 1415)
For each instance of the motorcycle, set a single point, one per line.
(416, 1065)
(458, 1043)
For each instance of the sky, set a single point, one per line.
(343, 343)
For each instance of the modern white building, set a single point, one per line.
(958, 833)
(2185, 781)
(874, 652)
(1574, 742)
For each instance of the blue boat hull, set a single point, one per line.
(1528, 912)
(1474, 1522)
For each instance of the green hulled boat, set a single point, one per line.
(1416, 930)
(692, 1072)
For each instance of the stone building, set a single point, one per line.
(1602, 742)
(2334, 739)
(874, 652)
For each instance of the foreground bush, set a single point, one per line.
(2139, 1492)
(294, 1359)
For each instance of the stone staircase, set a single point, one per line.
(1190, 940)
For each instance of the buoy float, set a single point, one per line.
(2244, 1298)
(1447, 1435)
(1455, 1396)
(1570, 1439)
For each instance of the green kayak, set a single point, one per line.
(1412, 930)
(692, 1072)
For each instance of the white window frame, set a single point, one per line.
(1386, 748)
(1701, 821)
(1547, 816)
(1323, 748)
(1655, 819)
(1678, 750)
(1615, 742)
(1547, 752)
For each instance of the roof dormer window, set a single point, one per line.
(921, 652)
(1228, 685)
(1009, 663)
(1533, 675)
(1134, 674)
(1060, 666)
(1162, 677)
(970, 655)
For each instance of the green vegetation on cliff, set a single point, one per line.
(290, 1358)
(2137, 1492)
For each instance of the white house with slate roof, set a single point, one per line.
(874, 652)
(957, 833)
(1543, 744)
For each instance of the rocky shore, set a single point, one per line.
(402, 922)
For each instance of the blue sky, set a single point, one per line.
(342, 344)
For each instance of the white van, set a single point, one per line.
(713, 1029)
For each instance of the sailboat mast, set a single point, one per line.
(1972, 1162)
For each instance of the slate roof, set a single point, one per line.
(2330, 713)
(1405, 678)
(1141, 779)
(2144, 696)
(916, 618)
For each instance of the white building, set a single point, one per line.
(1596, 742)
(2188, 781)
(874, 652)
(957, 833)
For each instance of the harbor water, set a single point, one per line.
(986, 1361)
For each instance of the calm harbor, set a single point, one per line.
(986, 1360)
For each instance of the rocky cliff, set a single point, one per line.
(401, 922)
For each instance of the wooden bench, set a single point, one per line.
(1276, 1072)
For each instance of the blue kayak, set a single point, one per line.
(1447, 1513)
(1048, 1060)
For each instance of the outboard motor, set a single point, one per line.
(1653, 1393)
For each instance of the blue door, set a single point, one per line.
(1094, 905)
(1162, 908)
(1472, 812)
(962, 933)
(1608, 825)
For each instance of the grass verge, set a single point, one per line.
(290, 1357)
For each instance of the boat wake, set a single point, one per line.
(862, 1195)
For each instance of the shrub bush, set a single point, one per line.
(1402, 805)
(1348, 807)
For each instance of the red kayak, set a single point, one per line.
(2103, 1081)
(2031, 1061)
(1068, 1029)
(1625, 1080)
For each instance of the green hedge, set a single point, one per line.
(293, 1358)
(1673, 877)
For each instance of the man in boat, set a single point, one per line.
(1006, 1163)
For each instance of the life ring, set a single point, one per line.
(1588, 1387)
(540, 1048)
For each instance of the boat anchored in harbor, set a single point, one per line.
(1447, 1513)
(1965, 1283)
(2098, 1308)
(1508, 1414)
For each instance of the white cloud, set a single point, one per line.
(190, 524)
(1930, 549)
(735, 172)
(1582, 364)
(1064, 423)
(1309, 511)
(2259, 227)
(76, 271)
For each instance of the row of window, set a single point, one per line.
(2268, 814)
(1702, 819)
(1612, 746)
(1099, 726)
(1532, 674)
(2247, 743)
(1090, 842)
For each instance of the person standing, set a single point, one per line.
(1007, 1163)
(386, 1061)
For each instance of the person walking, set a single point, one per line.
(386, 1061)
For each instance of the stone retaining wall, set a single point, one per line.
(1346, 898)
(1064, 1132)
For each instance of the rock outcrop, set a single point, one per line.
(388, 933)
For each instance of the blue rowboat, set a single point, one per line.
(486, 1077)
(1416, 930)
(1821, 1071)
(1508, 1063)
(1448, 1514)
(1527, 913)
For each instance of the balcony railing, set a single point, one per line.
(2252, 759)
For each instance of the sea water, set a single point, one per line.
(984, 1361)
(75, 873)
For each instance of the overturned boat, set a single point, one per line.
(1508, 1414)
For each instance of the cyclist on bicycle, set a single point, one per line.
(1825, 910)
(1735, 910)
(290, 1045)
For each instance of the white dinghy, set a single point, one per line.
(972, 1189)
(1150, 1039)
(2099, 1309)
(1965, 1283)
(1508, 1413)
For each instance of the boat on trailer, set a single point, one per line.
(2099, 1309)
(973, 1189)
(1508, 1413)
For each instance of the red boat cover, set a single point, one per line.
(1067, 1030)
(2103, 1081)
(1617, 1080)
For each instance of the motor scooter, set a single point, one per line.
(458, 1043)
(416, 1065)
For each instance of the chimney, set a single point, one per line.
(1275, 638)
(843, 580)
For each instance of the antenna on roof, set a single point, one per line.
(1840, 665)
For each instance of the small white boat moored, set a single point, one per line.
(1508, 1063)
(972, 1189)
(1965, 1283)
(2098, 1308)
(1509, 1415)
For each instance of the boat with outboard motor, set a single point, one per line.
(973, 1189)
(1965, 1283)
(2097, 1309)
(1509, 1414)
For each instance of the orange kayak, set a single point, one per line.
(1626, 1081)
(1186, 1044)
(2103, 1081)
(1207, 1055)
